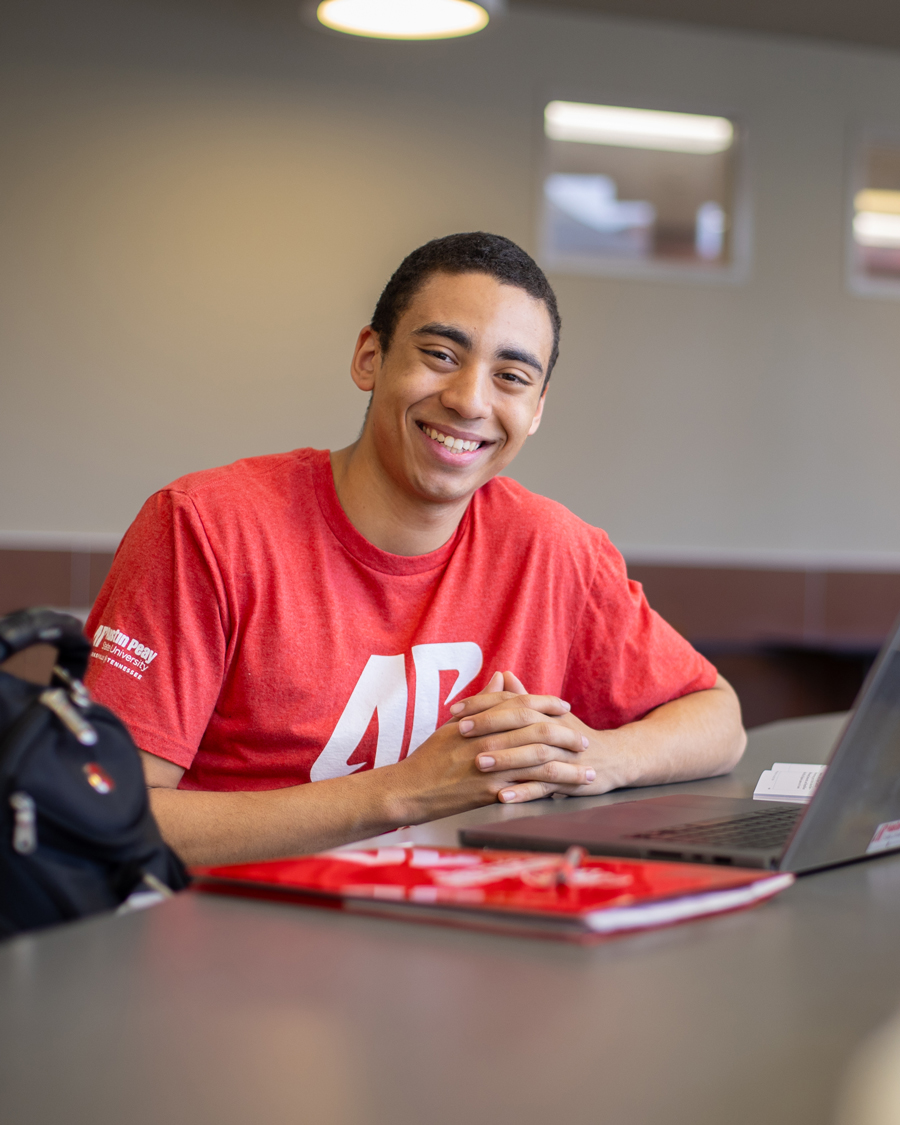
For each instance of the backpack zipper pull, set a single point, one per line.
(25, 823)
(80, 695)
(58, 702)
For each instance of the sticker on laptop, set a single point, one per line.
(887, 837)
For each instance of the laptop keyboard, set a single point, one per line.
(768, 828)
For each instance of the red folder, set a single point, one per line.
(575, 897)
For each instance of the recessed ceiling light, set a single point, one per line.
(637, 128)
(404, 19)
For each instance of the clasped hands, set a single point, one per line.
(506, 745)
(530, 745)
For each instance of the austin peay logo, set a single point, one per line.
(112, 640)
(381, 690)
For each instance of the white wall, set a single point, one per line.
(198, 209)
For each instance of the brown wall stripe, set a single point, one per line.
(706, 604)
(787, 639)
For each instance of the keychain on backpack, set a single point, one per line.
(77, 835)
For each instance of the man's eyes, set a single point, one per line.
(512, 377)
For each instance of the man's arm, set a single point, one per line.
(698, 735)
(518, 748)
(439, 779)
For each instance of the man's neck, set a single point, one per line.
(389, 518)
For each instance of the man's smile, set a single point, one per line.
(451, 440)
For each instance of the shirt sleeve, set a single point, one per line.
(625, 660)
(160, 630)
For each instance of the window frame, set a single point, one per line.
(738, 269)
(861, 138)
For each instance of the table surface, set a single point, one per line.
(216, 1010)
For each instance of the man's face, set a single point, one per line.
(459, 389)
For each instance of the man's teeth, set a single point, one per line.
(456, 444)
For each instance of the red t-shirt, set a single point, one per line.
(250, 634)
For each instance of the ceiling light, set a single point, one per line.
(884, 202)
(404, 19)
(637, 128)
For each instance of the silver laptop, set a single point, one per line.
(854, 813)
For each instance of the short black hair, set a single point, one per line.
(471, 252)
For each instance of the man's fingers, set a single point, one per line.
(490, 695)
(478, 704)
(500, 753)
(475, 704)
(532, 764)
(527, 791)
(495, 683)
(531, 791)
(502, 729)
(512, 683)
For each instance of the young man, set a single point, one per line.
(338, 619)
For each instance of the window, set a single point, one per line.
(875, 228)
(638, 191)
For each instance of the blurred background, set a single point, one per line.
(201, 199)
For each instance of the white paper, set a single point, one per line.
(788, 781)
(610, 920)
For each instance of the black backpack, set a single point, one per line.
(76, 832)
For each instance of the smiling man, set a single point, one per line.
(304, 645)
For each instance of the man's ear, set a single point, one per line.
(536, 420)
(366, 360)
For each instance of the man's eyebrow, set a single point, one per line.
(517, 356)
(448, 331)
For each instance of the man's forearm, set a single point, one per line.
(210, 828)
(439, 779)
(698, 735)
(522, 748)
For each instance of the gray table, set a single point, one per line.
(208, 1010)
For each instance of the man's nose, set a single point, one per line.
(467, 392)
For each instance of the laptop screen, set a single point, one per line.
(858, 799)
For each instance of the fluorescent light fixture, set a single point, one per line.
(637, 128)
(884, 202)
(404, 19)
(874, 228)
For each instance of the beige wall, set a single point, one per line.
(198, 208)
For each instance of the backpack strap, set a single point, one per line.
(29, 627)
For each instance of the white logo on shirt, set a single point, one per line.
(381, 690)
(109, 639)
